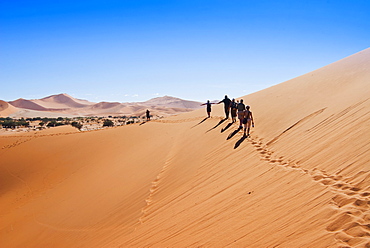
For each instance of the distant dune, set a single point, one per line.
(6, 109)
(62, 101)
(66, 105)
(301, 180)
(27, 104)
(172, 102)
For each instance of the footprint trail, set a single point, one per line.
(351, 226)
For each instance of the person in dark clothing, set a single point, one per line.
(241, 108)
(233, 108)
(227, 105)
(147, 115)
(209, 108)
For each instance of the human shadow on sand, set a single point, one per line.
(233, 133)
(142, 123)
(225, 128)
(237, 144)
(219, 123)
(200, 122)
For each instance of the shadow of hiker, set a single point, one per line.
(200, 122)
(221, 121)
(237, 144)
(225, 128)
(142, 123)
(233, 133)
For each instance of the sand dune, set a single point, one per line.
(6, 109)
(65, 105)
(51, 103)
(172, 102)
(301, 180)
(27, 104)
(62, 101)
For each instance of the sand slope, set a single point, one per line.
(301, 180)
(6, 109)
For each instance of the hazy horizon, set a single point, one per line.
(132, 51)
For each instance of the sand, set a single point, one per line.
(301, 180)
(6, 109)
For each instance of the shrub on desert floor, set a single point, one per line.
(108, 123)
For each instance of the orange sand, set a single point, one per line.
(6, 109)
(301, 180)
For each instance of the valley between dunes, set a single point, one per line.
(301, 180)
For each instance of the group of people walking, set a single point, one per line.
(237, 110)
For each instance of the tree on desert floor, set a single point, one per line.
(76, 125)
(108, 123)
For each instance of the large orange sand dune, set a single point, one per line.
(301, 180)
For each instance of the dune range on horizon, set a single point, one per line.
(301, 180)
(64, 105)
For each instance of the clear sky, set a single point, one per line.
(134, 50)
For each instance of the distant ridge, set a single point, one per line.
(172, 101)
(65, 100)
(67, 105)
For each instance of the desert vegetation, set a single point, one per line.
(81, 123)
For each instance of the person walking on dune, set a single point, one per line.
(209, 108)
(147, 115)
(241, 108)
(227, 103)
(233, 108)
(248, 120)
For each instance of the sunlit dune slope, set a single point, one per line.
(300, 180)
(6, 109)
(64, 189)
(320, 118)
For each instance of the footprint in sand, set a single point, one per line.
(362, 204)
(326, 182)
(338, 185)
(355, 189)
(353, 224)
(343, 200)
(318, 177)
(340, 221)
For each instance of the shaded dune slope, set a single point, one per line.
(301, 180)
(27, 104)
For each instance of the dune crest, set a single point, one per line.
(301, 180)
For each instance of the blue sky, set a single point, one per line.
(134, 50)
